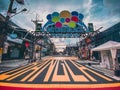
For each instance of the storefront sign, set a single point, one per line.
(19, 41)
(13, 36)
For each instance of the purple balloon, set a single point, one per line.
(67, 20)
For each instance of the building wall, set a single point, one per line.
(112, 33)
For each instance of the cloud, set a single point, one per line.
(113, 6)
(24, 22)
(103, 13)
(3, 4)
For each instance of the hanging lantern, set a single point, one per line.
(27, 44)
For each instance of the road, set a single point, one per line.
(56, 72)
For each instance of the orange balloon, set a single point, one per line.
(65, 14)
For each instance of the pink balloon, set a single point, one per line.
(58, 24)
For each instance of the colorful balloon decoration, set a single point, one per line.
(74, 13)
(58, 24)
(55, 19)
(74, 18)
(49, 17)
(67, 20)
(64, 18)
(72, 24)
(65, 14)
(55, 14)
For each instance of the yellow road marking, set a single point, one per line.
(21, 72)
(20, 68)
(102, 76)
(49, 72)
(6, 75)
(32, 73)
(76, 78)
(81, 69)
(110, 85)
(38, 73)
(60, 78)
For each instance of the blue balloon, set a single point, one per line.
(54, 14)
(62, 20)
(49, 17)
(74, 13)
(81, 16)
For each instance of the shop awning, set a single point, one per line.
(107, 46)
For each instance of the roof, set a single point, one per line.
(107, 46)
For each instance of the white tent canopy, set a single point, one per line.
(110, 45)
(107, 46)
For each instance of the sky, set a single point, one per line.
(102, 13)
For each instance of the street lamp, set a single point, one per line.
(11, 11)
(23, 10)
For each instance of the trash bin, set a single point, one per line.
(117, 72)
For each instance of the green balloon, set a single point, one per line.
(55, 19)
(72, 24)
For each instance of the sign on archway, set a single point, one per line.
(65, 24)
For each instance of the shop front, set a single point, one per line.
(13, 49)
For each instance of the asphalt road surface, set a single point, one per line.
(58, 72)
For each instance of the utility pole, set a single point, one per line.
(38, 26)
(4, 30)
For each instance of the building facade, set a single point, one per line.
(13, 39)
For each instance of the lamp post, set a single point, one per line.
(13, 11)
(38, 26)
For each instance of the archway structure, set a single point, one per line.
(65, 25)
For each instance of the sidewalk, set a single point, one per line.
(107, 72)
(11, 64)
(96, 66)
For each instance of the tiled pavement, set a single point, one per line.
(96, 66)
